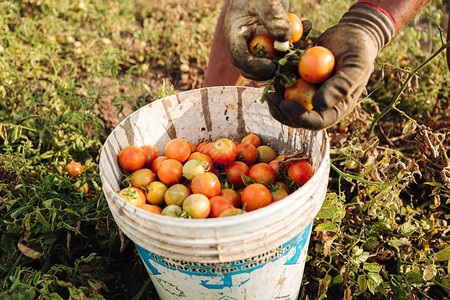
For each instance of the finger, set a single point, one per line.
(273, 101)
(274, 18)
(307, 26)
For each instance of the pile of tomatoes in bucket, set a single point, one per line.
(209, 180)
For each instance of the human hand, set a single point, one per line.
(355, 42)
(248, 18)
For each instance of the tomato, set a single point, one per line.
(316, 64)
(248, 152)
(132, 158)
(301, 92)
(275, 164)
(278, 194)
(177, 149)
(155, 209)
(282, 185)
(262, 46)
(170, 171)
(81, 188)
(206, 148)
(232, 195)
(142, 177)
(263, 173)
(223, 152)
(172, 211)
(252, 139)
(150, 154)
(132, 195)
(218, 204)
(265, 154)
(176, 194)
(201, 146)
(155, 192)
(157, 162)
(73, 168)
(193, 168)
(297, 27)
(207, 184)
(234, 173)
(232, 211)
(197, 206)
(300, 171)
(193, 147)
(202, 157)
(255, 195)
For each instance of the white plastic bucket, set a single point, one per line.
(257, 255)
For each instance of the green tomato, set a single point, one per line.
(193, 168)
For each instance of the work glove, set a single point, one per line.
(248, 18)
(355, 42)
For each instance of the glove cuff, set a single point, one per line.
(376, 22)
(384, 12)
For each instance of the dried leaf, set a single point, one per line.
(28, 251)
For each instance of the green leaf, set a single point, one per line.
(429, 272)
(362, 283)
(400, 242)
(338, 279)
(327, 213)
(327, 226)
(374, 281)
(372, 267)
(443, 255)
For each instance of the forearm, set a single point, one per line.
(400, 10)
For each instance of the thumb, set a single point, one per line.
(273, 16)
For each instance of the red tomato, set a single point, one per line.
(150, 154)
(207, 184)
(218, 205)
(300, 171)
(197, 206)
(142, 177)
(255, 195)
(155, 209)
(73, 168)
(301, 92)
(132, 195)
(316, 64)
(201, 146)
(177, 149)
(131, 158)
(275, 164)
(81, 188)
(170, 171)
(157, 162)
(262, 46)
(205, 149)
(223, 152)
(202, 157)
(263, 173)
(232, 211)
(252, 139)
(297, 27)
(234, 173)
(248, 152)
(232, 195)
(265, 154)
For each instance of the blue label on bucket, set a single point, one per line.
(224, 272)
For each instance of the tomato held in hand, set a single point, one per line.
(316, 64)
(132, 158)
(223, 152)
(300, 171)
(301, 92)
(218, 205)
(262, 46)
(234, 173)
(207, 184)
(297, 27)
(255, 195)
(197, 206)
(170, 171)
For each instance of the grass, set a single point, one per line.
(70, 70)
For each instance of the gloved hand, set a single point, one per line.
(248, 18)
(355, 42)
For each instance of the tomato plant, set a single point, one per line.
(316, 64)
(223, 152)
(301, 92)
(197, 206)
(255, 195)
(297, 27)
(132, 158)
(170, 171)
(248, 152)
(73, 168)
(132, 195)
(142, 177)
(262, 46)
(178, 149)
(218, 205)
(234, 173)
(176, 194)
(265, 154)
(150, 154)
(300, 171)
(207, 184)
(155, 192)
(262, 173)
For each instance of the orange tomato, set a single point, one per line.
(155, 209)
(170, 171)
(262, 46)
(255, 195)
(316, 64)
(177, 149)
(132, 195)
(252, 139)
(302, 93)
(132, 158)
(297, 27)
